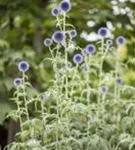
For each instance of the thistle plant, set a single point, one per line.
(86, 108)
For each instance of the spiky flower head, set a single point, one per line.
(73, 33)
(109, 42)
(77, 58)
(17, 82)
(55, 11)
(103, 31)
(103, 89)
(120, 81)
(48, 42)
(85, 68)
(90, 49)
(83, 51)
(42, 97)
(58, 37)
(65, 5)
(23, 66)
(120, 40)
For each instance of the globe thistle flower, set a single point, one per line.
(73, 33)
(77, 59)
(120, 40)
(65, 5)
(120, 81)
(85, 69)
(47, 42)
(42, 97)
(23, 66)
(109, 42)
(55, 11)
(103, 32)
(103, 89)
(58, 37)
(90, 49)
(17, 82)
(83, 51)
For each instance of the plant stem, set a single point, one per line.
(66, 55)
(116, 76)
(43, 120)
(100, 73)
(24, 93)
(18, 108)
(88, 94)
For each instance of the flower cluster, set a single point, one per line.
(23, 66)
(79, 106)
(59, 36)
(65, 6)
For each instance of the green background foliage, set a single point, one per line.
(25, 24)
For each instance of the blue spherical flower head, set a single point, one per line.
(58, 37)
(77, 59)
(85, 69)
(90, 49)
(83, 51)
(120, 81)
(73, 33)
(103, 89)
(47, 42)
(120, 40)
(55, 11)
(103, 32)
(17, 82)
(23, 66)
(65, 6)
(109, 42)
(42, 97)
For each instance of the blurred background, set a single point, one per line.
(25, 24)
